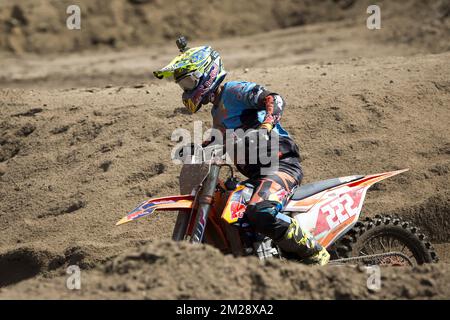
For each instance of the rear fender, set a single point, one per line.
(338, 209)
(166, 203)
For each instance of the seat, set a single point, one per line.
(307, 190)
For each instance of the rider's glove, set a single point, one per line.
(266, 125)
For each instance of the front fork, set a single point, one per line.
(205, 201)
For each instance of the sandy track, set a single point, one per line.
(38, 26)
(36, 54)
(73, 161)
(165, 270)
(318, 43)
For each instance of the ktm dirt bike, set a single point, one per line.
(213, 213)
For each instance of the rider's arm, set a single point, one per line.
(271, 102)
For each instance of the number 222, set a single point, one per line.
(340, 208)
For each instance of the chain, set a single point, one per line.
(372, 258)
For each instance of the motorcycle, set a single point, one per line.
(214, 213)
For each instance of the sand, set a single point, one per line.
(85, 135)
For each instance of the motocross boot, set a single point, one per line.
(302, 243)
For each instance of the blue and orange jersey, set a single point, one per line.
(240, 106)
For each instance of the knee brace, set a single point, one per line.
(261, 216)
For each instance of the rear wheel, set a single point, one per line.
(384, 234)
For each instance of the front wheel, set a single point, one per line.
(384, 234)
(181, 225)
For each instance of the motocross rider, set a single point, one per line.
(245, 105)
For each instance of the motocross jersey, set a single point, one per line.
(247, 105)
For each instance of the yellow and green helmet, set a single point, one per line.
(198, 71)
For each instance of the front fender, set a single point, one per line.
(166, 203)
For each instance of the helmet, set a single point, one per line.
(198, 71)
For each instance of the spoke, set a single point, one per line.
(370, 246)
(404, 246)
(390, 243)
(396, 244)
(382, 245)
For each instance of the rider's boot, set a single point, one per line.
(302, 243)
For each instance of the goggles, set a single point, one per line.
(190, 81)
